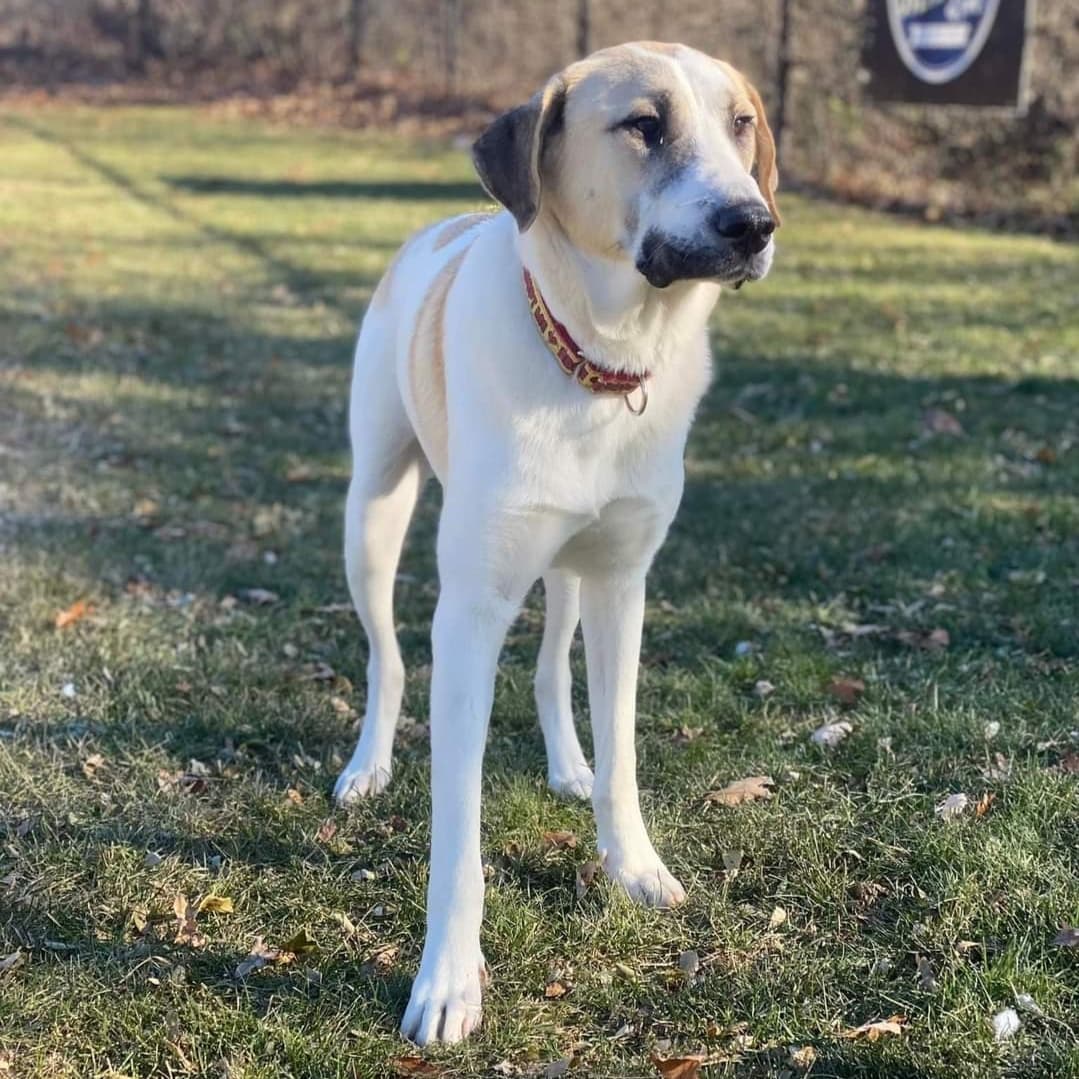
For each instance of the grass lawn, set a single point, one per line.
(880, 528)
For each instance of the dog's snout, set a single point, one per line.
(747, 226)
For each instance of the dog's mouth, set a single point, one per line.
(664, 260)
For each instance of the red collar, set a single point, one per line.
(572, 360)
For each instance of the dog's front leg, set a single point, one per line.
(612, 614)
(466, 636)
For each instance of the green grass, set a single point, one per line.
(178, 298)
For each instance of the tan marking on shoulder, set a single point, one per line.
(458, 226)
(384, 290)
(427, 366)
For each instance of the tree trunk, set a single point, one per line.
(783, 68)
(357, 32)
(584, 28)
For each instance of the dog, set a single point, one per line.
(544, 362)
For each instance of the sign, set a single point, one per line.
(946, 52)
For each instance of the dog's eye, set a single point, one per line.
(650, 128)
(743, 123)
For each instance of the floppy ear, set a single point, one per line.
(508, 155)
(767, 175)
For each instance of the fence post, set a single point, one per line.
(783, 67)
(584, 28)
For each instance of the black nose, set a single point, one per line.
(747, 226)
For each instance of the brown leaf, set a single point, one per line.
(560, 840)
(326, 830)
(11, 962)
(804, 1057)
(778, 918)
(68, 617)
(877, 1028)
(259, 957)
(846, 690)
(742, 790)
(1068, 937)
(679, 1067)
(415, 1065)
(938, 640)
(937, 421)
(986, 800)
(555, 990)
(294, 796)
(586, 875)
(187, 932)
(91, 765)
(300, 944)
(1069, 764)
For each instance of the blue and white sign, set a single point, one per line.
(938, 40)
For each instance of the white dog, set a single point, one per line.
(631, 204)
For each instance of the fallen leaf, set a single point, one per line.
(1026, 1003)
(984, 803)
(679, 1067)
(555, 990)
(1069, 764)
(763, 688)
(586, 875)
(258, 597)
(12, 962)
(742, 790)
(70, 615)
(953, 807)
(260, 956)
(846, 690)
(804, 1058)
(689, 962)
(300, 944)
(927, 979)
(938, 421)
(215, 904)
(1005, 1024)
(831, 734)
(938, 640)
(732, 862)
(1068, 937)
(877, 1028)
(559, 840)
(187, 932)
(992, 729)
(91, 765)
(294, 796)
(778, 918)
(415, 1066)
(326, 830)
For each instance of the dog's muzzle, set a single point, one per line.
(732, 249)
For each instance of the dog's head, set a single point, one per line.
(645, 152)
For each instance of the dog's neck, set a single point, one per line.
(619, 321)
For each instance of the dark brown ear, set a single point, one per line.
(508, 155)
(767, 174)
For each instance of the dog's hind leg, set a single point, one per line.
(388, 471)
(567, 770)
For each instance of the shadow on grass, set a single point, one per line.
(404, 190)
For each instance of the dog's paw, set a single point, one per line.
(647, 881)
(360, 779)
(446, 1001)
(573, 782)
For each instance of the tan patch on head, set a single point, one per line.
(427, 366)
(747, 99)
(458, 226)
